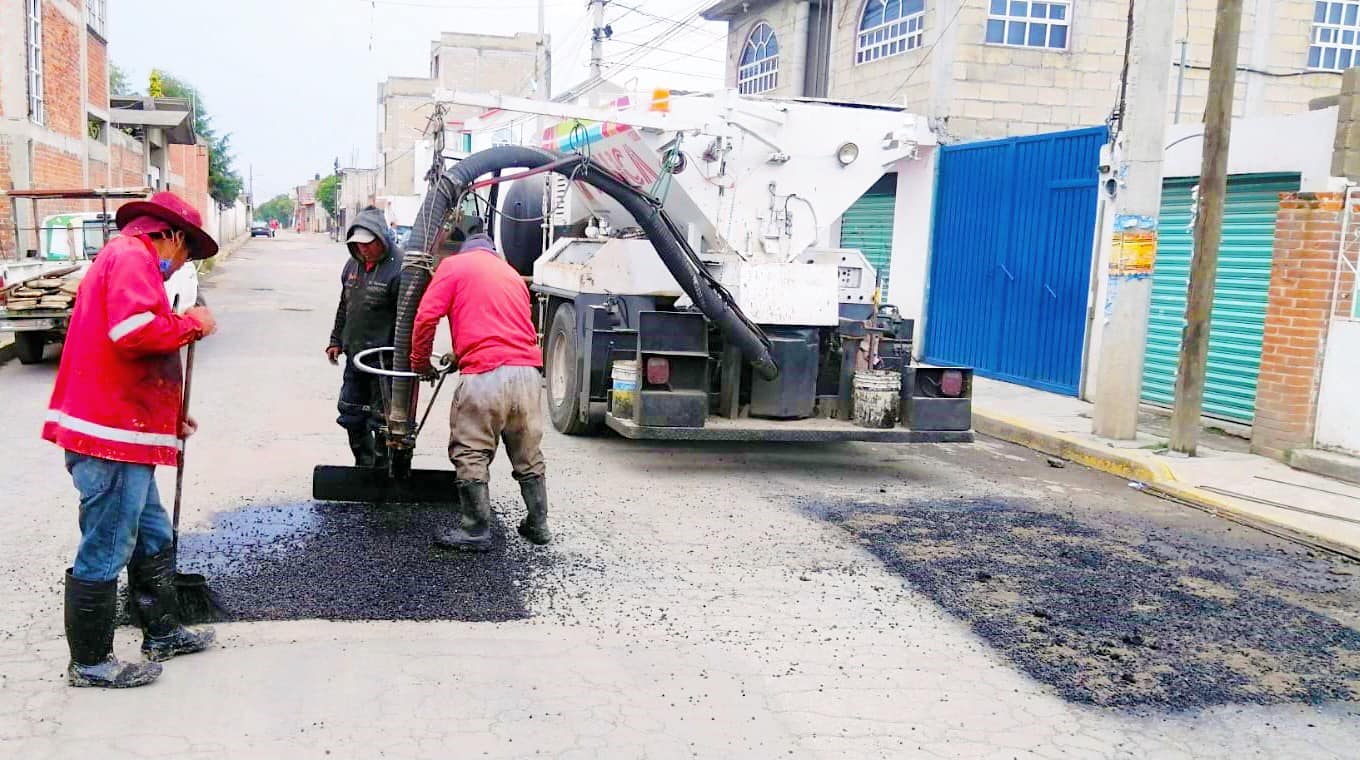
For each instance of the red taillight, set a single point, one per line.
(658, 371)
(951, 383)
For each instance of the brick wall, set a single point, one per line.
(97, 67)
(7, 249)
(54, 168)
(63, 95)
(128, 164)
(190, 163)
(1303, 270)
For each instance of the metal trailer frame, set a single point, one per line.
(35, 328)
(649, 331)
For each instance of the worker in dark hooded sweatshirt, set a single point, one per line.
(366, 318)
(498, 398)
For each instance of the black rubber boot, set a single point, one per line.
(473, 531)
(381, 454)
(365, 452)
(90, 611)
(534, 528)
(151, 588)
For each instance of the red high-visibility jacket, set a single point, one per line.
(117, 394)
(487, 304)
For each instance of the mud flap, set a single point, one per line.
(363, 484)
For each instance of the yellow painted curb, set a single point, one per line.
(1126, 464)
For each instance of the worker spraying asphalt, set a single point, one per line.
(498, 399)
(365, 318)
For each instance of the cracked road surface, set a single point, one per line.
(700, 600)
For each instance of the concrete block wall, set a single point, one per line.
(783, 18)
(406, 109)
(974, 90)
(1303, 270)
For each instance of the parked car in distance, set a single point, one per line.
(261, 229)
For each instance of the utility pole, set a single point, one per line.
(597, 38)
(1213, 186)
(542, 83)
(1136, 180)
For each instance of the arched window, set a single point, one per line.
(889, 27)
(759, 68)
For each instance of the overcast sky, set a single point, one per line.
(295, 81)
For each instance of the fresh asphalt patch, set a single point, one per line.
(357, 562)
(1113, 617)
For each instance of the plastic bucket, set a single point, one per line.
(624, 377)
(878, 398)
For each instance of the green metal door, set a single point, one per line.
(868, 226)
(1241, 290)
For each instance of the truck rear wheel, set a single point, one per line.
(562, 366)
(29, 347)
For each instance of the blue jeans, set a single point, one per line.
(121, 516)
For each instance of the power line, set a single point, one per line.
(658, 70)
(462, 6)
(686, 22)
(957, 10)
(659, 49)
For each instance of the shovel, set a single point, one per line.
(197, 602)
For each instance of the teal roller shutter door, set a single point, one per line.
(868, 226)
(1241, 291)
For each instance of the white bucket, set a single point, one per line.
(624, 377)
(878, 398)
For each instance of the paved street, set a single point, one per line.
(699, 600)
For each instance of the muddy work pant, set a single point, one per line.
(500, 405)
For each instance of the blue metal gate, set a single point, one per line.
(1010, 269)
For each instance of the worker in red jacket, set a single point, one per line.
(498, 397)
(115, 409)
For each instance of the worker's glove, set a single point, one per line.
(426, 372)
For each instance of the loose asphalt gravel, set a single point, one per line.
(1175, 621)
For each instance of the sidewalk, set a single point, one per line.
(1224, 479)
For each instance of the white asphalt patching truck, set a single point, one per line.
(672, 243)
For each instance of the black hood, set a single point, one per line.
(373, 220)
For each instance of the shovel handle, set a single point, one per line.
(179, 456)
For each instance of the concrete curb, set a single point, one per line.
(1158, 477)
(206, 268)
(1133, 465)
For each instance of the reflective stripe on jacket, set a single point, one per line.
(117, 393)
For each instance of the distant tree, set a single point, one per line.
(118, 81)
(327, 194)
(224, 184)
(279, 207)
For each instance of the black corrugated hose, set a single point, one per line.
(708, 294)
